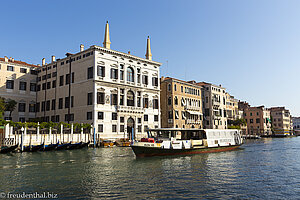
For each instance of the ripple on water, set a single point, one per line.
(262, 169)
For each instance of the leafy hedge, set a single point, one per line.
(43, 125)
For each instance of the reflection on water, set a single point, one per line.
(262, 169)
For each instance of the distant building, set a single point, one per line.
(258, 119)
(296, 125)
(18, 82)
(232, 109)
(281, 120)
(118, 93)
(214, 98)
(181, 104)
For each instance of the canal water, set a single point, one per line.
(262, 169)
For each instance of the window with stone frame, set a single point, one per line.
(90, 73)
(114, 128)
(114, 116)
(60, 103)
(114, 99)
(100, 128)
(90, 98)
(130, 74)
(23, 85)
(68, 79)
(113, 73)
(43, 106)
(100, 115)
(53, 105)
(122, 128)
(33, 87)
(67, 102)
(145, 102)
(154, 81)
(101, 71)
(155, 103)
(130, 98)
(32, 107)
(122, 97)
(61, 80)
(100, 98)
(89, 115)
(22, 107)
(122, 72)
(9, 84)
(48, 105)
(145, 79)
(10, 68)
(139, 99)
(145, 118)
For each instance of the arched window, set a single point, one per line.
(169, 101)
(169, 87)
(176, 100)
(130, 98)
(130, 74)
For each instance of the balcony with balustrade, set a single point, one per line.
(130, 109)
(189, 107)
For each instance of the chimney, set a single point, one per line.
(128, 52)
(5, 59)
(43, 61)
(13, 60)
(81, 47)
(10, 58)
(53, 58)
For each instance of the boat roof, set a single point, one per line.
(175, 129)
(189, 129)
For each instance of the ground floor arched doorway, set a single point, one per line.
(130, 128)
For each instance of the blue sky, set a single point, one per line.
(250, 47)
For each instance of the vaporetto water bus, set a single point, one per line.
(176, 141)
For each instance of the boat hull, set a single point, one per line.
(33, 148)
(62, 146)
(84, 144)
(7, 149)
(74, 146)
(141, 151)
(49, 147)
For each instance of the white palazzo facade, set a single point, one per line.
(116, 92)
(128, 94)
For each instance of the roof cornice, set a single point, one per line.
(105, 50)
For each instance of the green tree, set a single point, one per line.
(2, 107)
(239, 122)
(10, 106)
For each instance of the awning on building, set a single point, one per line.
(183, 102)
(183, 115)
(194, 112)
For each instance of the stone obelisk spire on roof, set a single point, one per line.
(148, 50)
(106, 43)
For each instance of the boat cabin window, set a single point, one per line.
(193, 135)
(163, 134)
